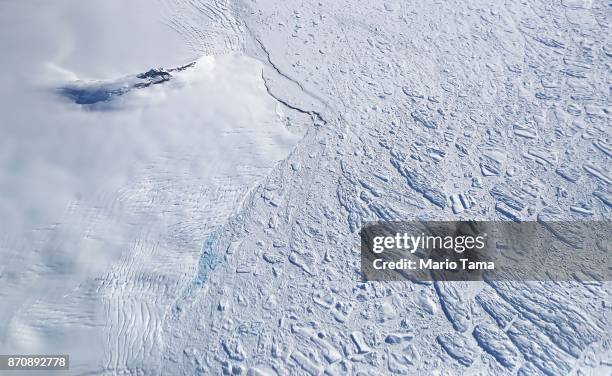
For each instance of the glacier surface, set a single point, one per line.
(208, 223)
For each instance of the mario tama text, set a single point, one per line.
(470, 250)
(458, 243)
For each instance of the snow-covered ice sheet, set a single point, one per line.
(181, 246)
(105, 209)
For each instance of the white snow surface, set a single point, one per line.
(208, 224)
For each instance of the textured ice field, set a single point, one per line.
(204, 220)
